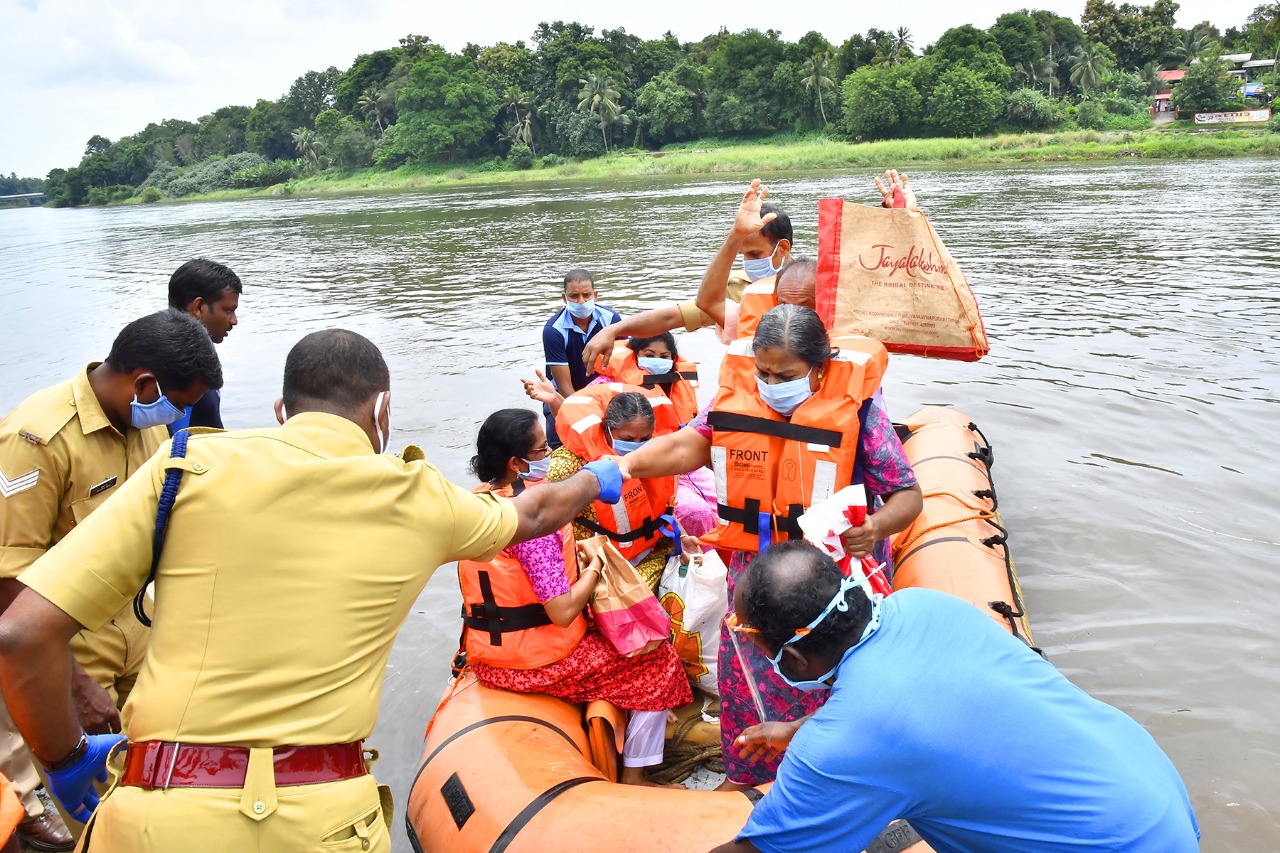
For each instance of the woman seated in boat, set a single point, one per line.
(524, 613)
(613, 420)
(694, 504)
(653, 363)
(790, 425)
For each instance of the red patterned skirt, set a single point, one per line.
(654, 681)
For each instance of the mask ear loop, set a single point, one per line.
(384, 437)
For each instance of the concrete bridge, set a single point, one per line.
(29, 198)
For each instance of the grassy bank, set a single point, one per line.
(716, 157)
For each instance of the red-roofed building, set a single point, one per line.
(1169, 78)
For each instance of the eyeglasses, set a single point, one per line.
(539, 452)
(733, 624)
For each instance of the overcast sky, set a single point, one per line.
(69, 70)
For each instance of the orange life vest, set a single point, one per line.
(767, 464)
(680, 384)
(504, 623)
(757, 298)
(633, 523)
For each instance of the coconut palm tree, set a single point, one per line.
(1088, 66)
(308, 145)
(515, 98)
(1190, 44)
(599, 98)
(371, 103)
(902, 42)
(816, 70)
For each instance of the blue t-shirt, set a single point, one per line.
(562, 344)
(207, 412)
(987, 747)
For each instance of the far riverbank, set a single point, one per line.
(761, 157)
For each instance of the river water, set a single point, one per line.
(1134, 315)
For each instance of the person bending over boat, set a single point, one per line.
(990, 747)
(790, 425)
(270, 643)
(545, 643)
(613, 420)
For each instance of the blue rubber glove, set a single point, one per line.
(610, 479)
(73, 786)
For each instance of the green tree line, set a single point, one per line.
(572, 94)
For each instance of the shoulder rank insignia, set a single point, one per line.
(9, 488)
(103, 486)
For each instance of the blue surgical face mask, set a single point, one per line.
(758, 268)
(785, 397)
(160, 413)
(538, 468)
(838, 602)
(622, 447)
(581, 310)
(656, 366)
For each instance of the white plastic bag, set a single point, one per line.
(696, 598)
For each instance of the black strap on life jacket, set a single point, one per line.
(652, 380)
(490, 617)
(644, 531)
(168, 494)
(736, 422)
(749, 517)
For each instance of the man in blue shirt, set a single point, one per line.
(566, 334)
(939, 717)
(210, 292)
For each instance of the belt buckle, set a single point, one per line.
(173, 760)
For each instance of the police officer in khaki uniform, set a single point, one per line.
(270, 639)
(65, 450)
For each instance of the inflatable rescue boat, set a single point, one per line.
(527, 773)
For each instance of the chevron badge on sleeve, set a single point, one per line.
(9, 488)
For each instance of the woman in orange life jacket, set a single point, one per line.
(625, 422)
(791, 424)
(525, 625)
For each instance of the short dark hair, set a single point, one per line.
(798, 330)
(201, 279)
(172, 345)
(788, 586)
(626, 407)
(577, 275)
(334, 366)
(778, 228)
(637, 344)
(798, 265)
(505, 433)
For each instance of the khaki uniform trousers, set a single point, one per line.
(17, 764)
(351, 816)
(113, 654)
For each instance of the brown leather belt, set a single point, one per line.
(160, 764)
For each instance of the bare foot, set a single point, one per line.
(730, 785)
(635, 776)
(672, 716)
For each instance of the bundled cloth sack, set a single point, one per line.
(885, 274)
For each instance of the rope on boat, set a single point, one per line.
(681, 757)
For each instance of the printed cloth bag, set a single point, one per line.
(884, 273)
(625, 608)
(696, 599)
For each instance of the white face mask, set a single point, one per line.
(785, 397)
(384, 436)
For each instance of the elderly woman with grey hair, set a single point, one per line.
(791, 424)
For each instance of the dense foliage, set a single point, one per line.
(571, 93)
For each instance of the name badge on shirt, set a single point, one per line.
(102, 487)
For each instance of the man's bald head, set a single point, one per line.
(333, 370)
(785, 589)
(797, 282)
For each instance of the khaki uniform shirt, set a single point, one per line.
(695, 318)
(60, 458)
(291, 559)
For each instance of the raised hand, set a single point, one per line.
(542, 390)
(895, 190)
(748, 220)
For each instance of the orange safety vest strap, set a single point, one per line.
(645, 530)
(738, 422)
(494, 620)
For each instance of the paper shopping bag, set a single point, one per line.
(625, 608)
(884, 273)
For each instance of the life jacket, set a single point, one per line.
(770, 469)
(504, 623)
(633, 523)
(757, 298)
(680, 384)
